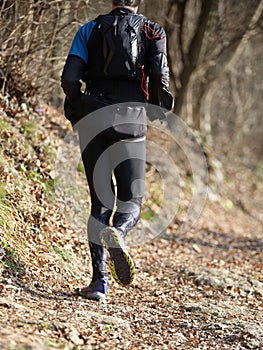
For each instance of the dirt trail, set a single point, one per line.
(199, 290)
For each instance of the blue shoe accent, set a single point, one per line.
(97, 290)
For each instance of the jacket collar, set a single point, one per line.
(121, 11)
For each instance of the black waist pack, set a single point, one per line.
(85, 104)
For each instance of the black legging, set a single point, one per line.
(107, 154)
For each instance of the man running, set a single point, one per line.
(122, 58)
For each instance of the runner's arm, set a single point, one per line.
(158, 68)
(75, 66)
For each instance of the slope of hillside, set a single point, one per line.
(36, 242)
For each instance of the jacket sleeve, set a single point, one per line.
(73, 72)
(159, 93)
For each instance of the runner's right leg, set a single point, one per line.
(99, 216)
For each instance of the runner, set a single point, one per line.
(122, 58)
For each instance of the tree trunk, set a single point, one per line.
(189, 59)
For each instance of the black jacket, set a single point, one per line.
(86, 62)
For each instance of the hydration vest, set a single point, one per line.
(122, 45)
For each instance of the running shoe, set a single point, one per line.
(97, 290)
(121, 264)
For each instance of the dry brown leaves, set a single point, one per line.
(201, 289)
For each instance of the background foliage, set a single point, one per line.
(215, 53)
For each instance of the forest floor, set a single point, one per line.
(200, 289)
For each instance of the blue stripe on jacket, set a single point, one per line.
(79, 45)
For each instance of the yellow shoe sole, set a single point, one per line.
(121, 264)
